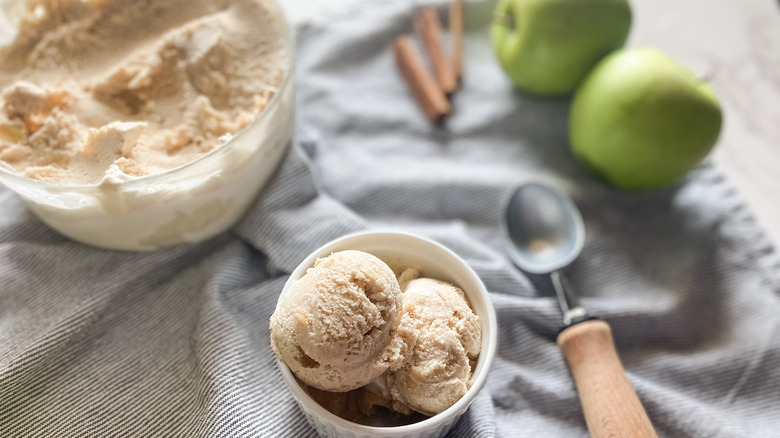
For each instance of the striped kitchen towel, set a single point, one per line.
(95, 343)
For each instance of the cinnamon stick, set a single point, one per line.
(456, 29)
(429, 95)
(428, 26)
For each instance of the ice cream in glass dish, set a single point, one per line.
(137, 125)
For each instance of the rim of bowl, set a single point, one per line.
(449, 414)
(148, 180)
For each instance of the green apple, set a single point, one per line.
(547, 47)
(641, 120)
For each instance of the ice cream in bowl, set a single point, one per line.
(134, 125)
(383, 334)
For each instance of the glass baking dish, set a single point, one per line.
(189, 203)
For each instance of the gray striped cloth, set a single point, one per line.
(95, 343)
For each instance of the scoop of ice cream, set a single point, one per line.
(448, 338)
(336, 326)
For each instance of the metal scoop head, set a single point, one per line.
(545, 233)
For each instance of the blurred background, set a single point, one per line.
(732, 43)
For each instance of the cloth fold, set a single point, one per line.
(95, 343)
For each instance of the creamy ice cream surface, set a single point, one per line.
(336, 326)
(142, 87)
(448, 340)
(346, 325)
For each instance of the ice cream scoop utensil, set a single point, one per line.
(545, 233)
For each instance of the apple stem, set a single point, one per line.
(708, 75)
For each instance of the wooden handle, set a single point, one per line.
(611, 407)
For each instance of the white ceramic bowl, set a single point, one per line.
(433, 260)
(186, 204)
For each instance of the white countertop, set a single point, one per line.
(736, 44)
